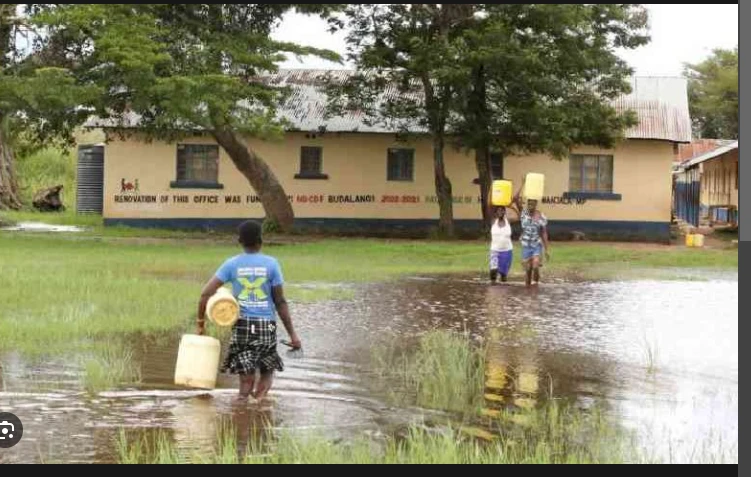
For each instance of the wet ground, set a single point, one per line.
(663, 355)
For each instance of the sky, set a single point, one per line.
(680, 34)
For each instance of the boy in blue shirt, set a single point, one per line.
(258, 285)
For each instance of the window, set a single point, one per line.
(496, 166)
(311, 163)
(197, 167)
(401, 165)
(593, 174)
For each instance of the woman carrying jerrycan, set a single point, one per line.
(534, 238)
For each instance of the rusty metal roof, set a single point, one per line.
(708, 156)
(661, 104)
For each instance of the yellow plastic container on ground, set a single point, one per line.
(689, 241)
(503, 193)
(198, 362)
(699, 241)
(534, 187)
(223, 310)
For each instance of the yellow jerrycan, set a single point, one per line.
(503, 193)
(534, 187)
(198, 362)
(222, 309)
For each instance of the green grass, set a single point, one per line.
(109, 367)
(64, 290)
(419, 446)
(443, 373)
(63, 293)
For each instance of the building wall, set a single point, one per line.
(358, 196)
(720, 181)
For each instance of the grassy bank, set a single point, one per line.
(64, 290)
(419, 446)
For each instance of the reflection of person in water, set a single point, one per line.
(501, 248)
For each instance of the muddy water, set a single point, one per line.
(663, 355)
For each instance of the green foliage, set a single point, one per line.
(713, 91)
(180, 67)
(542, 76)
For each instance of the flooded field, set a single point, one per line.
(662, 356)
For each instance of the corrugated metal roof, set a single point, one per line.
(721, 151)
(660, 103)
(686, 152)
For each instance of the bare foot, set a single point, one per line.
(241, 400)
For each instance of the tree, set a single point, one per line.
(38, 100)
(406, 56)
(187, 68)
(713, 94)
(542, 78)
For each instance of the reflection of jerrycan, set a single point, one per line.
(198, 362)
(528, 382)
(496, 374)
(195, 423)
(528, 385)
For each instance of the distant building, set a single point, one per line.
(707, 186)
(345, 176)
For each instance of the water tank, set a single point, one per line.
(90, 192)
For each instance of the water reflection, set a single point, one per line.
(576, 340)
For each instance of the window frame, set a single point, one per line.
(308, 175)
(184, 183)
(604, 195)
(389, 157)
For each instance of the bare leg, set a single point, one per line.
(493, 276)
(264, 386)
(247, 384)
(528, 270)
(536, 270)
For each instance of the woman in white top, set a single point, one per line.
(501, 248)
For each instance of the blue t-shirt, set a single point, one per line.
(253, 276)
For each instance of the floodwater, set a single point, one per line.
(41, 228)
(663, 356)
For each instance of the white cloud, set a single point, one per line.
(680, 34)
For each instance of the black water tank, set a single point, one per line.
(90, 199)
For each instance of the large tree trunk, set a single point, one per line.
(479, 109)
(443, 189)
(279, 212)
(482, 161)
(8, 183)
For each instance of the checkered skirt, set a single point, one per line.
(253, 348)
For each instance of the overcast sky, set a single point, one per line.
(680, 34)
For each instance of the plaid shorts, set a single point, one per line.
(253, 348)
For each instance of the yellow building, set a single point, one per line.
(707, 187)
(345, 176)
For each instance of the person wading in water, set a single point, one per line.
(501, 247)
(534, 238)
(258, 286)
